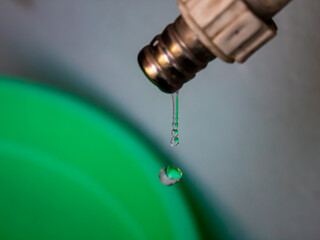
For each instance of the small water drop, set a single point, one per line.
(174, 141)
(175, 125)
(170, 175)
(174, 133)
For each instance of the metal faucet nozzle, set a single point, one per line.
(229, 29)
(173, 57)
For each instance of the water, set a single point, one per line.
(175, 118)
(170, 175)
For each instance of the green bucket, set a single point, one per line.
(69, 170)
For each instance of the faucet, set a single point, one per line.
(229, 29)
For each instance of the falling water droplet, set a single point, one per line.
(170, 175)
(174, 133)
(175, 125)
(174, 141)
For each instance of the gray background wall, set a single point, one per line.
(250, 133)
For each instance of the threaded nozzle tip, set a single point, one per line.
(173, 57)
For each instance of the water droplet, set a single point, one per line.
(174, 141)
(170, 175)
(174, 133)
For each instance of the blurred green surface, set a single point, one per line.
(71, 171)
